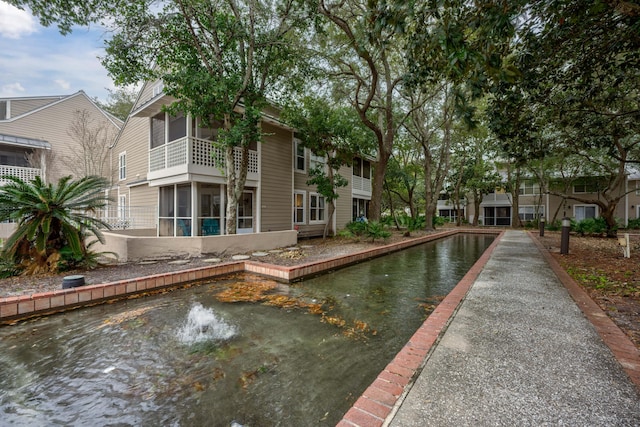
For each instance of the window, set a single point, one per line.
(298, 207)
(157, 130)
(529, 213)
(122, 166)
(366, 169)
(529, 187)
(637, 188)
(157, 89)
(300, 158)
(585, 211)
(357, 167)
(585, 187)
(316, 208)
(359, 208)
(362, 168)
(316, 161)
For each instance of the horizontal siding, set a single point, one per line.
(344, 200)
(134, 140)
(22, 106)
(275, 175)
(52, 124)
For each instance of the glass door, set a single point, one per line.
(245, 213)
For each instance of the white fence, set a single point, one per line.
(130, 217)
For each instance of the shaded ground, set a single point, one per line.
(596, 263)
(612, 281)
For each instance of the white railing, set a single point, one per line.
(201, 152)
(129, 217)
(25, 174)
(361, 184)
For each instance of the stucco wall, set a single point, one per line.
(134, 248)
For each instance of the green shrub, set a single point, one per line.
(589, 227)
(376, 230)
(357, 228)
(634, 224)
(438, 221)
(410, 223)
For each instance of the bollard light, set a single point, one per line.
(542, 227)
(564, 239)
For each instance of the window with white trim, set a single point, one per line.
(157, 89)
(316, 208)
(316, 161)
(530, 213)
(122, 166)
(529, 187)
(585, 187)
(300, 160)
(299, 207)
(585, 211)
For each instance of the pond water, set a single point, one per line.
(184, 358)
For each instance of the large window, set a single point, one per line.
(585, 211)
(299, 207)
(122, 166)
(529, 213)
(316, 161)
(529, 187)
(585, 187)
(359, 208)
(300, 165)
(362, 168)
(172, 221)
(316, 208)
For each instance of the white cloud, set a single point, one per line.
(15, 23)
(63, 84)
(11, 90)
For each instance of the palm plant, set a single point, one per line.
(52, 219)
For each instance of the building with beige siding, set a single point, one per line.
(55, 136)
(168, 168)
(577, 201)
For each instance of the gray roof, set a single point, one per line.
(24, 142)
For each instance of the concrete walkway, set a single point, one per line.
(519, 351)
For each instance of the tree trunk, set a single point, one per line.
(375, 208)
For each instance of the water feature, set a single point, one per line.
(186, 359)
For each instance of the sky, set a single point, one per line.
(37, 61)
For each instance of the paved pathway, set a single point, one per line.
(519, 352)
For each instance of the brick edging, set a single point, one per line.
(16, 308)
(380, 401)
(618, 342)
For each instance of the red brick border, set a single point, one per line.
(384, 396)
(13, 309)
(618, 342)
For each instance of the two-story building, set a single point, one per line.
(496, 208)
(37, 136)
(169, 164)
(52, 137)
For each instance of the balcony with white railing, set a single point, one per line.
(25, 174)
(190, 155)
(360, 186)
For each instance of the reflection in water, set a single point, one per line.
(127, 364)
